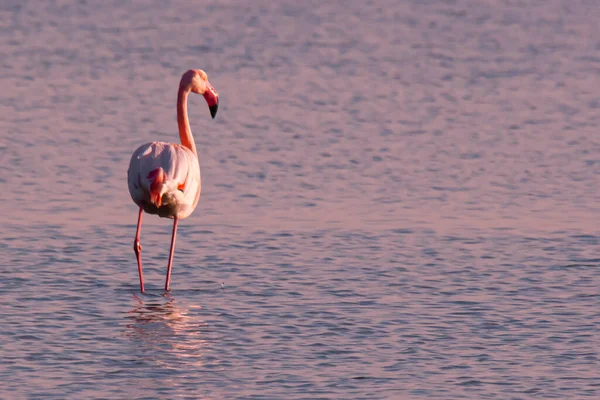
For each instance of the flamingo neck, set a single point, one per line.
(185, 132)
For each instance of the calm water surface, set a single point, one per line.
(399, 200)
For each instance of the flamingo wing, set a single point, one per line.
(164, 179)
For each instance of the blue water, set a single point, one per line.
(399, 201)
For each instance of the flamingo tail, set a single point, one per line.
(157, 177)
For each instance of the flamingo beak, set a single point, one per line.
(212, 98)
(213, 109)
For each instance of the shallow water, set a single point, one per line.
(399, 201)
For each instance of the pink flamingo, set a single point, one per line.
(164, 178)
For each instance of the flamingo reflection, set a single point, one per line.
(161, 324)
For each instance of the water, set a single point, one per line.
(399, 201)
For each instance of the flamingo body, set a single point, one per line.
(164, 179)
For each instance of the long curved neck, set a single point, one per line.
(185, 133)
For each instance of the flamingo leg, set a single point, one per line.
(137, 247)
(169, 267)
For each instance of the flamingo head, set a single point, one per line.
(196, 80)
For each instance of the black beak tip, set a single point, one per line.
(213, 110)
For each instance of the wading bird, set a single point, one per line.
(164, 178)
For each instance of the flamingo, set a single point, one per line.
(164, 178)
